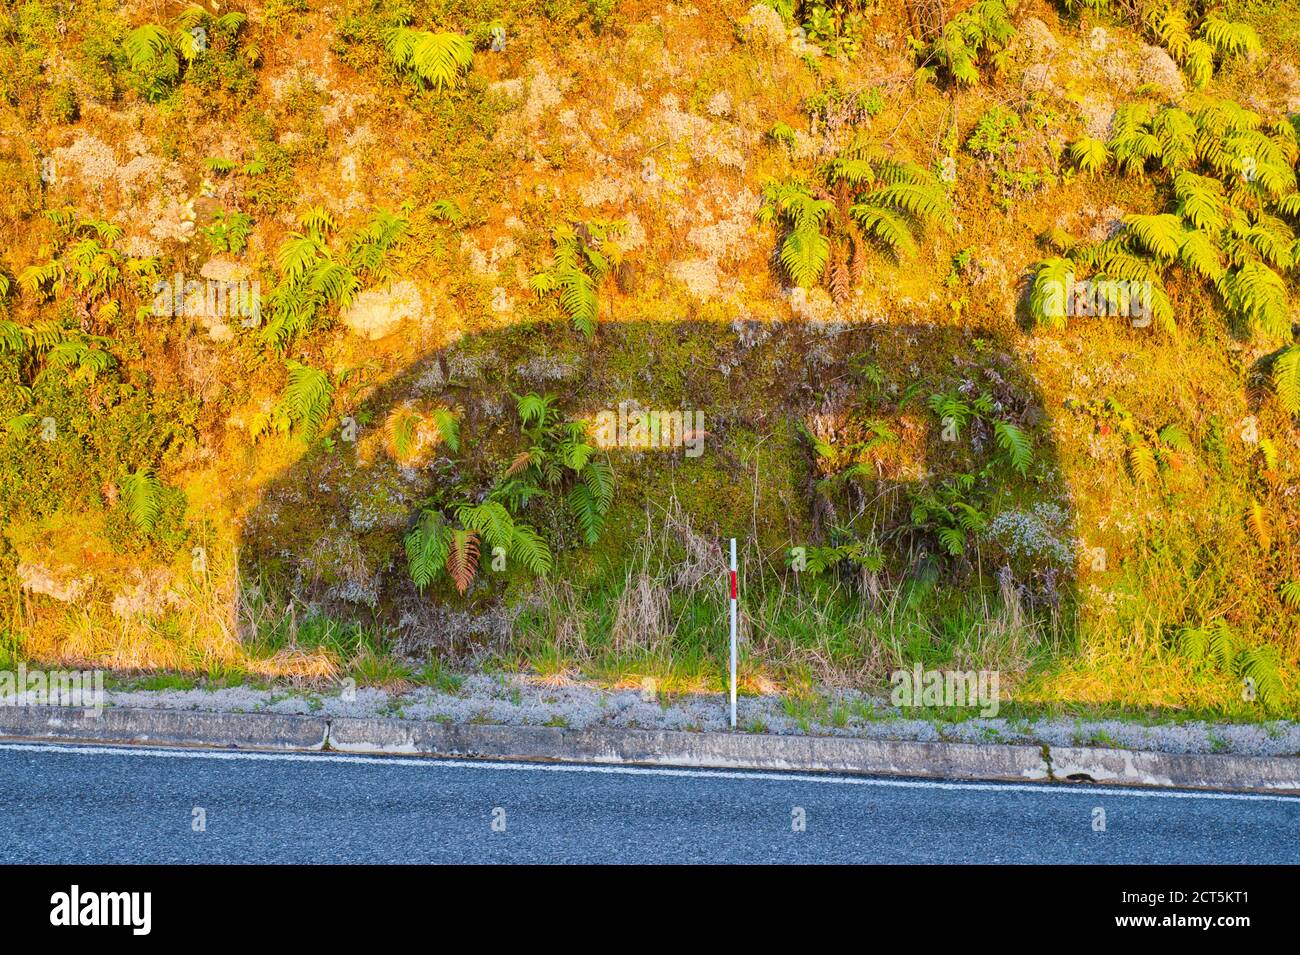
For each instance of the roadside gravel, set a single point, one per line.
(515, 700)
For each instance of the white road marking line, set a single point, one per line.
(417, 762)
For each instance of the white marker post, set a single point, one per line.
(733, 633)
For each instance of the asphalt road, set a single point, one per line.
(84, 804)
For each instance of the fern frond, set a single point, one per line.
(886, 225)
(1229, 38)
(1200, 200)
(1286, 378)
(1090, 155)
(317, 222)
(1199, 253)
(599, 476)
(306, 400)
(532, 408)
(145, 44)
(527, 546)
(1142, 463)
(1012, 440)
(1257, 520)
(427, 548)
(462, 558)
(491, 520)
(953, 540)
(1159, 234)
(927, 203)
(297, 256)
(1194, 643)
(141, 494)
(438, 59)
(1262, 667)
(804, 254)
(12, 339)
(1051, 291)
(1259, 295)
(448, 424)
(578, 297)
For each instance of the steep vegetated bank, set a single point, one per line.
(377, 339)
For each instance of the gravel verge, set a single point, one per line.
(513, 700)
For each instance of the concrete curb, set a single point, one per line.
(960, 761)
(266, 731)
(688, 750)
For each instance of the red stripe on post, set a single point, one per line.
(733, 585)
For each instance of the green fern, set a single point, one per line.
(1286, 378)
(438, 59)
(1228, 37)
(1158, 234)
(1262, 668)
(141, 494)
(497, 528)
(1050, 292)
(582, 256)
(1089, 155)
(146, 45)
(1258, 294)
(427, 546)
(981, 32)
(804, 250)
(1200, 200)
(305, 404)
(1017, 445)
